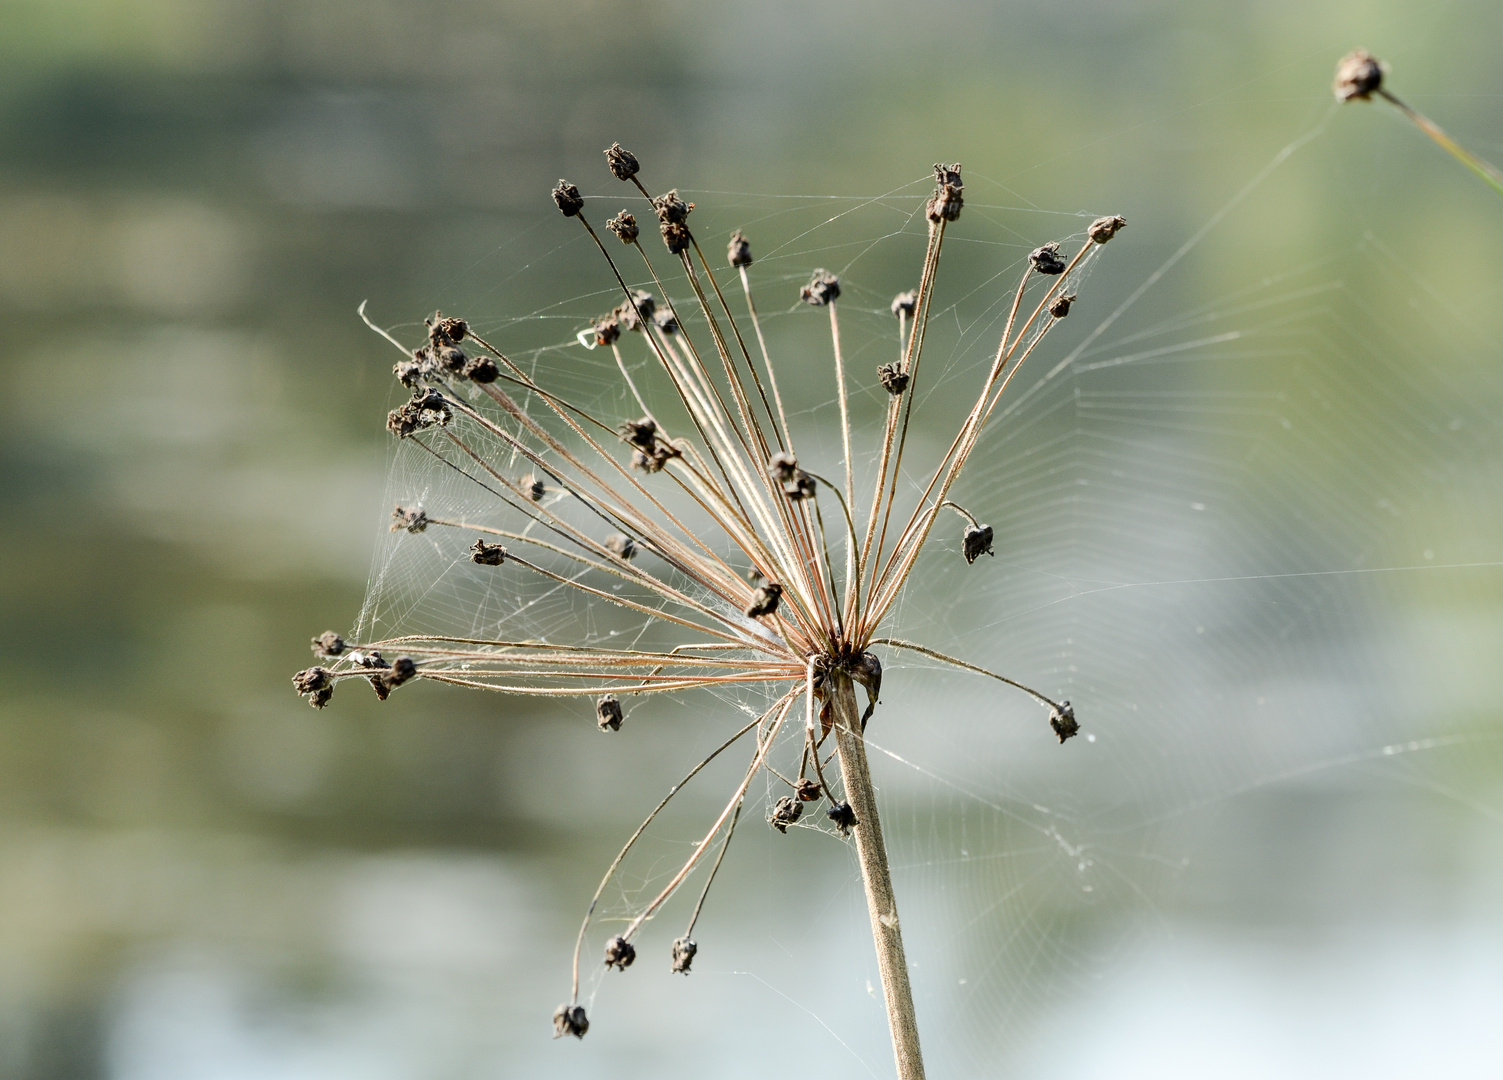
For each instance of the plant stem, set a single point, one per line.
(880, 904)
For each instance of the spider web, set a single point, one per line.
(1236, 526)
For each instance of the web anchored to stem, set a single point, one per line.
(711, 530)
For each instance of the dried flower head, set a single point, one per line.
(624, 225)
(328, 644)
(828, 568)
(1104, 228)
(823, 288)
(1358, 76)
(622, 162)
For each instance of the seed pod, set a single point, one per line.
(1104, 228)
(683, 955)
(945, 203)
(807, 790)
(624, 225)
(426, 409)
(641, 433)
(1046, 260)
(666, 320)
(487, 554)
(867, 670)
(442, 328)
(631, 313)
(449, 358)
(1358, 76)
(608, 713)
(905, 303)
(568, 199)
(412, 519)
(785, 812)
(328, 644)
(782, 466)
(481, 369)
(606, 329)
(676, 236)
(765, 600)
(533, 486)
(843, 817)
(402, 669)
(976, 542)
(621, 161)
(671, 209)
(315, 684)
(619, 953)
(738, 251)
(621, 545)
(1061, 305)
(894, 380)
(823, 288)
(570, 1020)
(409, 371)
(1062, 720)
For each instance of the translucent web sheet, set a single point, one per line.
(1236, 527)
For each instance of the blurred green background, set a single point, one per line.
(201, 877)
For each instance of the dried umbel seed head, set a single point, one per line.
(1062, 720)
(1061, 305)
(624, 225)
(683, 955)
(443, 329)
(671, 209)
(1046, 260)
(738, 251)
(621, 161)
(533, 487)
(894, 379)
(568, 199)
(487, 554)
(608, 714)
(823, 288)
(410, 518)
(621, 545)
(905, 303)
(481, 369)
(619, 953)
(1104, 228)
(328, 644)
(765, 600)
(570, 1020)
(666, 321)
(641, 433)
(945, 203)
(676, 237)
(428, 408)
(607, 330)
(785, 812)
(843, 817)
(807, 790)
(641, 306)
(1358, 76)
(977, 542)
(315, 684)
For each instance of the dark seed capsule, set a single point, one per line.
(487, 554)
(402, 669)
(481, 369)
(676, 236)
(620, 545)
(945, 203)
(1358, 76)
(977, 542)
(765, 600)
(843, 817)
(608, 713)
(683, 955)
(894, 380)
(641, 306)
(738, 252)
(1061, 305)
(782, 466)
(619, 953)
(1046, 260)
(570, 1020)
(624, 225)
(1062, 720)
(621, 161)
(566, 196)
(315, 684)
(534, 487)
(671, 209)
(807, 790)
(666, 321)
(785, 812)
(905, 303)
(328, 644)
(823, 288)
(607, 330)
(641, 433)
(1104, 228)
(445, 329)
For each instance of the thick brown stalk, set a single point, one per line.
(887, 933)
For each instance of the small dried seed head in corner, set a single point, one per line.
(608, 713)
(570, 1020)
(738, 252)
(976, 542)
(1062, 720)
(823, 288)
(1061, 305)
(843, 817)
(785, 812)
(683, 955)
(1104, 228)
(1046, 260)
(1359, 75)
(487, 554)
(621, 161)
(624, 225)
(566, 196)
(619, 953)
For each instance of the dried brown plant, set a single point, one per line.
(715, 531)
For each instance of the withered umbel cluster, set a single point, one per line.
(792, 585)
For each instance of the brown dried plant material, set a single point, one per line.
(411, 518)
(676, 237)
(607, 330)
(765, 600)
(1359, 75)
(608, 714)
(894, 379)
(1046, 260)
(619, 953)
(1104, 228)
(328, 644)
(622, 162)
(905, 303)
(945, 203)
(428, 408)
(823, 288)
(316, 684)
(1062, 720)
(807, 790)
(671, 209)
(621, 545)
(641, 305)
(976, 542)
(487, 554)
(442, 328)
(738, 251)
(624, 225)
(843, 817)
(683, 955)
(570, 1020)
(568, 199)
(1059, 307)
(785, 812)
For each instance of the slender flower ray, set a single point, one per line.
(713, 546)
